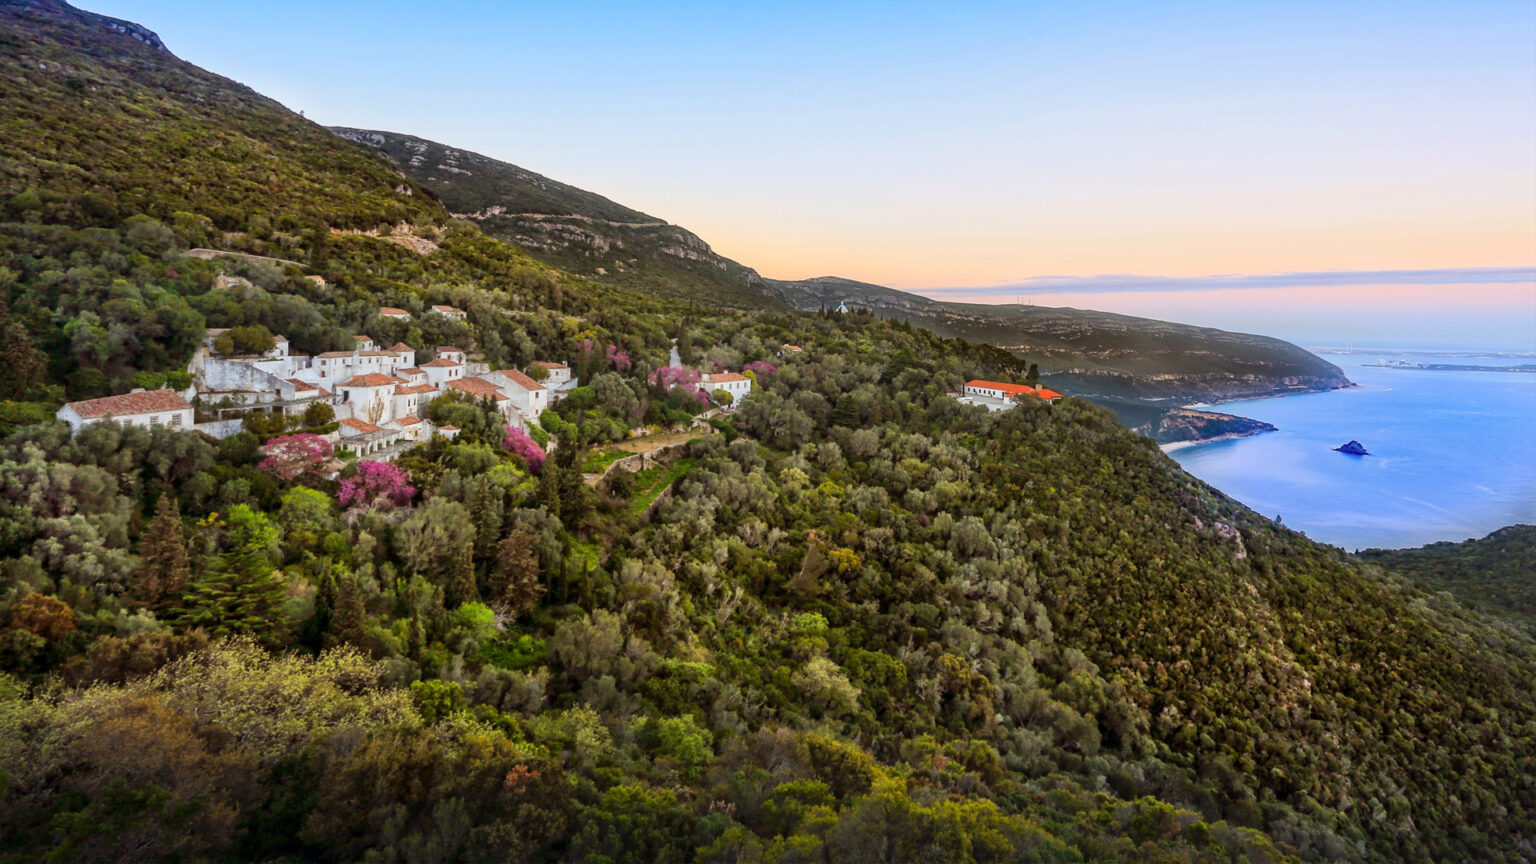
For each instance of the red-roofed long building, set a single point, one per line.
(996, 395)
(143, 408)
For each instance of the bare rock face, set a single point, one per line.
(1230, 534)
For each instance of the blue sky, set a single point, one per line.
(982, 146)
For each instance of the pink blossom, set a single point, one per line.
(668, 377)
(618, 360)
(519, 444)
(376, 485)
(290, 457)
(760, 368)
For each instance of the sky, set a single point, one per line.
(985, 151)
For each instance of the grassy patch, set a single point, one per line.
(598, 461)
(652, 481)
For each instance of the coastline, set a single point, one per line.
(1196, 442)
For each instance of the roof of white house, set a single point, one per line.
(520, 379)
(142, 402)
(360, 426)
(332, 355)
(550, 364)
(723, 377)
(372, 379)
(407, 421)
(363, 338)
(412, 389)
(401, 346)
(390, 310)
(440, 363)
(478, 387)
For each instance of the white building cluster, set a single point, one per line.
(379, 396)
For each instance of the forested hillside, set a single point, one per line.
(851, 620)
(1495, 574)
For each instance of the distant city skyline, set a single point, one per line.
(983, 146)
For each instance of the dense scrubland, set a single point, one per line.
(852, 621)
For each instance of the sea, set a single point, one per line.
(1453, 454)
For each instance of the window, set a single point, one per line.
(154, 419)
(176, 420)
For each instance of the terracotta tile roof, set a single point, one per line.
(448, 428)
(443, 349)
(390, 310)
(407, 421)
(360, 426)
(439, 363)
(400, 346)
(363, 338)
(788, 347)
(722, 377)
(331, 355)
(411, 370)
(550, 364)
(301, 385)
(389, 354)
(412, 389)
(520, 380)
(441, 308)
(143, 402)
(478, 387)
(1015, 389)
(372, 379)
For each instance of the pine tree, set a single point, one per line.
(242, 592)
(1033, 378)
(164, 566)
(348, 618)
(514, 579)
(22, 366)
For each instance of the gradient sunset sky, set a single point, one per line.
(982, 152)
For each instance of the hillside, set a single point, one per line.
(851, 620)
(1496, 574)
(568, 227)
(1093, 354)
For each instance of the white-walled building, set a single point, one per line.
(368, 397)
(999, 396)
(559, 373)
(140, 408)
(392, 312)
(735, 384)
(451, 353)
(529, 396)
(440, 371)
(449, 312)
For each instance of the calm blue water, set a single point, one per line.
(1453, 455)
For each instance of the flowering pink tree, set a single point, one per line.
(668, 377)
(618, 360)
(519, 444)
(290, 457)
(376, 485)
(671, 378)
(760, 369)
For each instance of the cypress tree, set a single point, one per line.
(164, 566)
